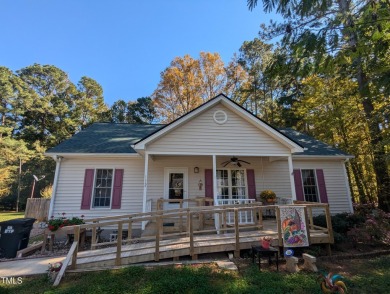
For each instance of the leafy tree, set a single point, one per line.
(49, 119)
(118, 111)
(188, 82)
(357, 33)
(14, 99)
(141, 111)
(328, 116)
(258, 92)
(179, 89)
(90, 106)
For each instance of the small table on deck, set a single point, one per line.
(262, 252)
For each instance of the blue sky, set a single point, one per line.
(123, 45)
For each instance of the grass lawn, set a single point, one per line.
(4, 216)
(361, 276)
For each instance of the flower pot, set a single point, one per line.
(271, 200)
(265, 244)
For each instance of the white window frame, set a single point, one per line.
(230, 187)
(94, 186)
(315, 178)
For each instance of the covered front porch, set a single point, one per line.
(184, 181)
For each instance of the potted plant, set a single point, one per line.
(57, 223)
(268, 196)
(266, 242)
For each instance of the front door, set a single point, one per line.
(175, 186)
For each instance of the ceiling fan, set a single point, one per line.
(234, 161)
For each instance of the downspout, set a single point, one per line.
(55, 184)
(347, 185)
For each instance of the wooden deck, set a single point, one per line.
(175, 248)
(193, 233)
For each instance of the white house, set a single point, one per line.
(218, 150)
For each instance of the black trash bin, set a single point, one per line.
(14, 236)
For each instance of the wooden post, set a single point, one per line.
(93, 238)
(201, 220)
(76, 231)
(279, 226)
(224, 221)
(192, 252)
(260, 217)
(129, 229)
(307, 225)
(119, 244)
(181, 216)
(311, 217)
(330, 228)
(158, 233)
(237, 232)
(188, 222)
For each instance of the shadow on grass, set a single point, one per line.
(371, 277)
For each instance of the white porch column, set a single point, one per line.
(55, 184)
(291, 173)
(145, 186)
(215, 190)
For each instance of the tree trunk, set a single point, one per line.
(379, 162)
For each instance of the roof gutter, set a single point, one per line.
(346, 157)
(108, 155)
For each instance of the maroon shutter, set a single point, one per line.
(250, 175)
(117, 193)
(298, 185)
(87, 189)
(321, 186)
(208, 184)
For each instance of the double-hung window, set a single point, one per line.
(103, 188)
(231, 184)
(310, 188)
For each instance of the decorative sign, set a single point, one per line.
(294, 229)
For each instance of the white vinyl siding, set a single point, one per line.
(269, 175)
(336, 187)
(71, 181)
(236, 136)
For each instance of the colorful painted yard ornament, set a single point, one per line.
(293, 224)
(332, 284)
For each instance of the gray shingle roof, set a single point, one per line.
(105, 138)
(313, 146)
(118, 138)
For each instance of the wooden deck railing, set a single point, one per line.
(190, 225)
(200, 201)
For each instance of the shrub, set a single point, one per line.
(375, 230)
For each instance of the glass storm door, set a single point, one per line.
(175, 187)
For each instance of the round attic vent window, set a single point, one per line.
(220, 117)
